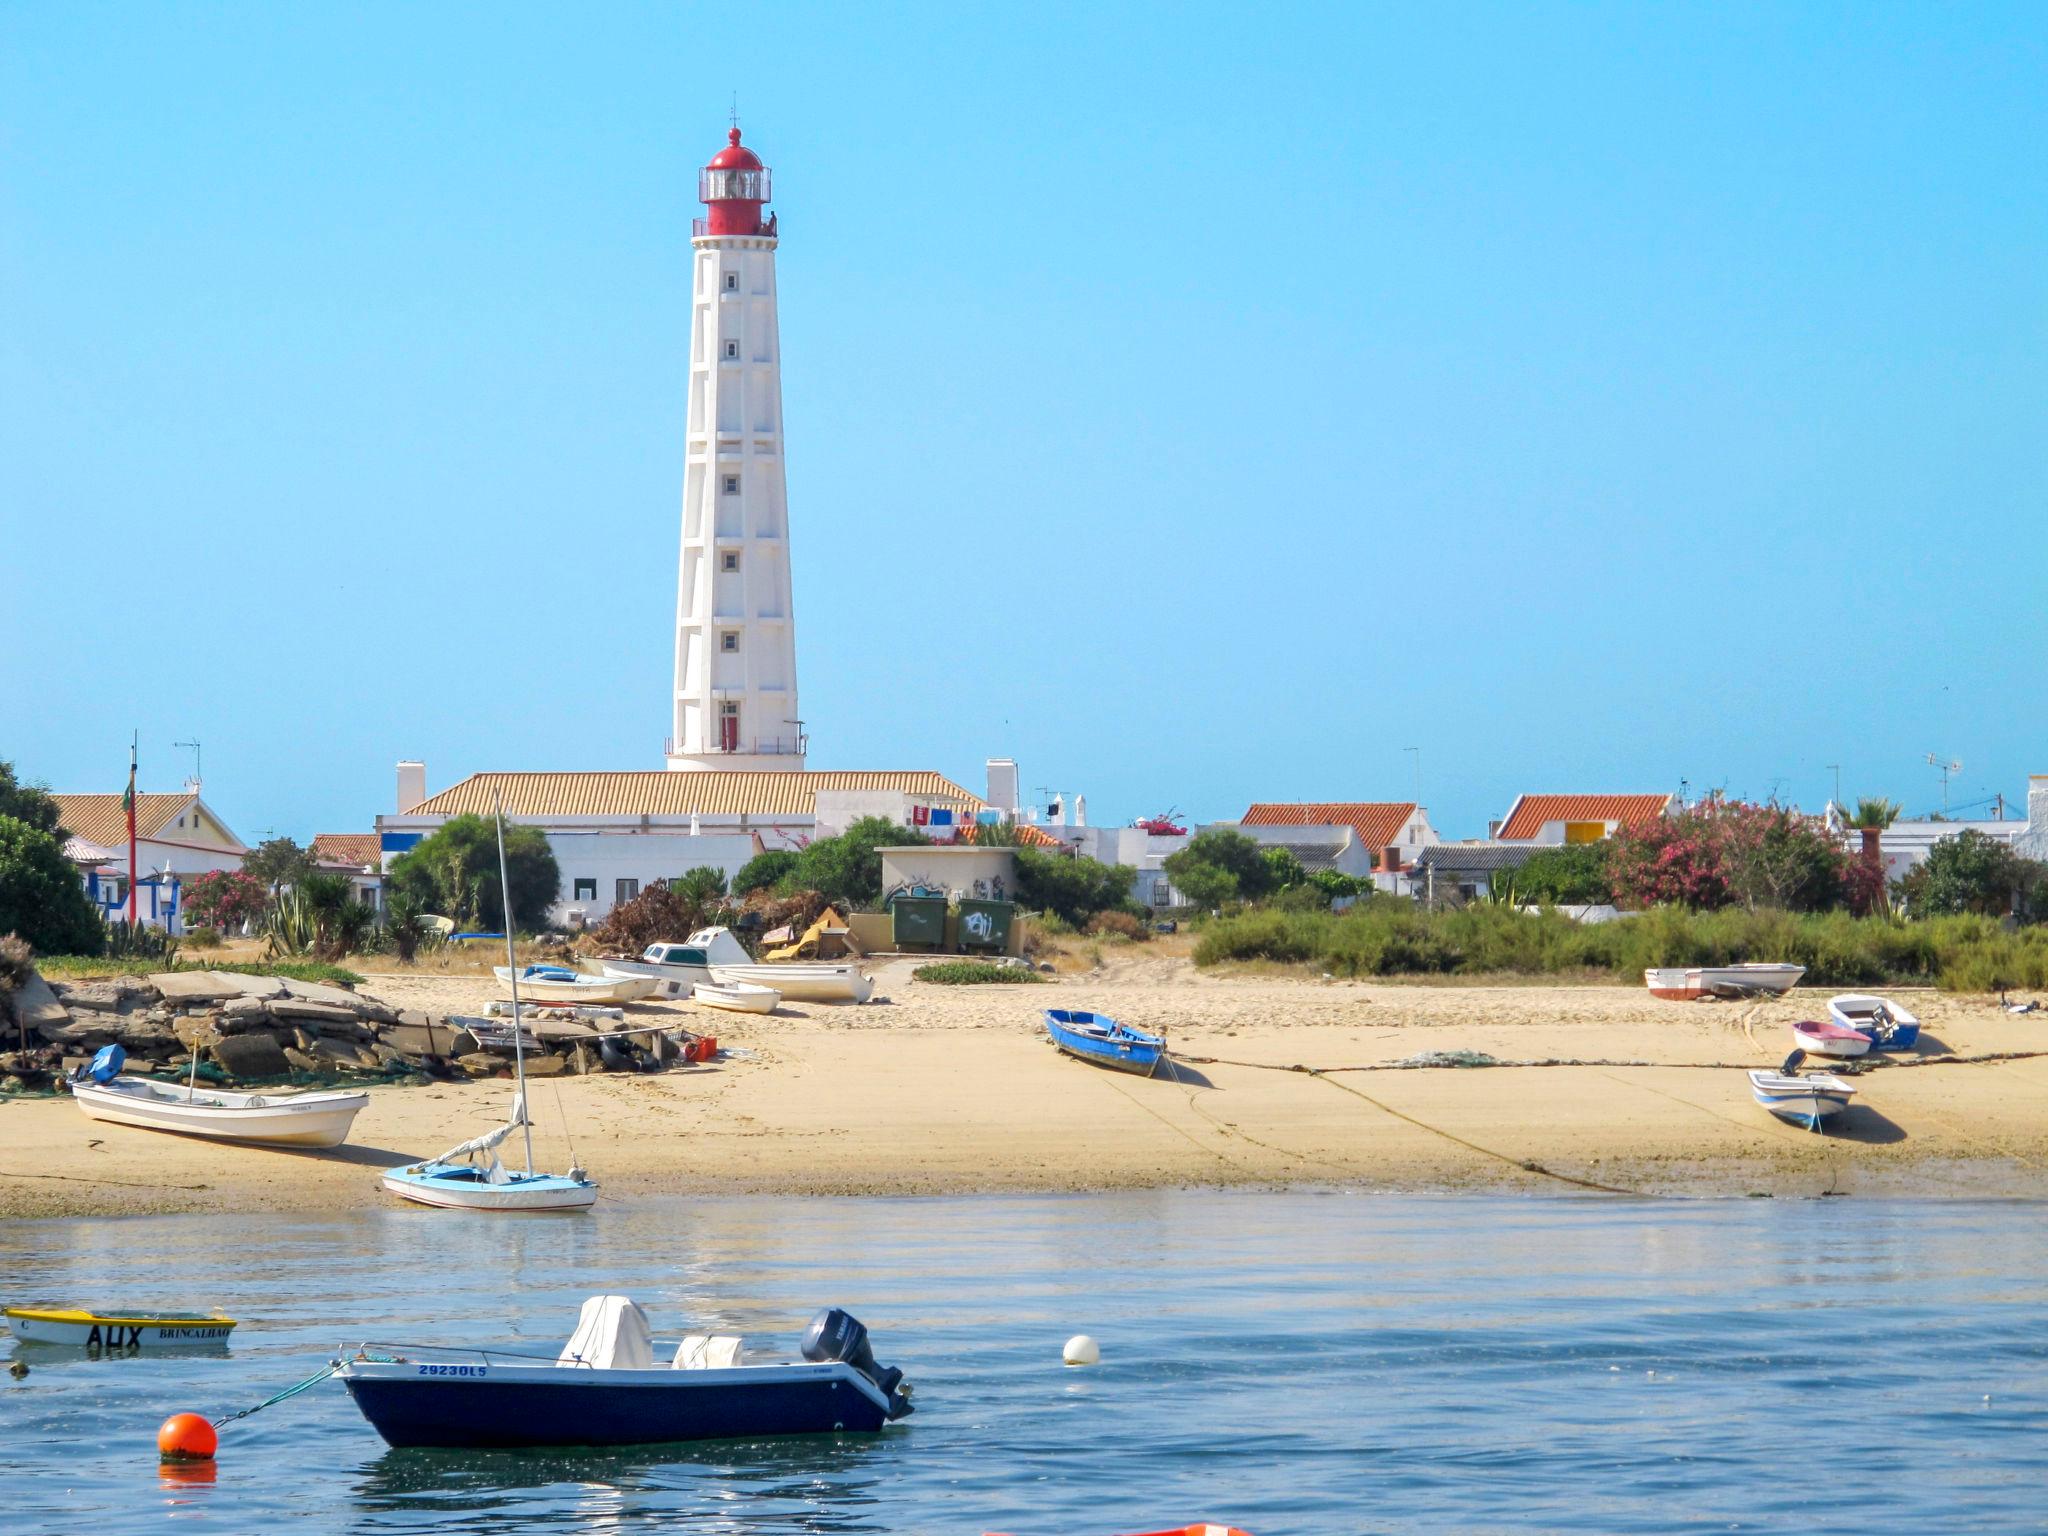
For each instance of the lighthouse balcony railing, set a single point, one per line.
(798, 745)
(701, 227)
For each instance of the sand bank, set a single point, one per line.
(948, 1089)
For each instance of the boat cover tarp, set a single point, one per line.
(611, 1335)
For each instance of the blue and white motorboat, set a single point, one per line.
(1886, 1025)
(1808, 1099)
(608, 1388)
(1098, 1038)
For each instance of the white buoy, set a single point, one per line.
(1081, 1350)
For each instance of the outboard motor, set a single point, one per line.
(839, 1335)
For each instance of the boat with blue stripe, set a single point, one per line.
(1098, 1038)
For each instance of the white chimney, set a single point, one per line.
(1080, 810)
(412, 786)
(1002, 785)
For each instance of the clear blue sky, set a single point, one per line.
(1199, 403)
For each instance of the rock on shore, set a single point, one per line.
(252, 1029)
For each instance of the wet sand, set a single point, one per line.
(952, 1089)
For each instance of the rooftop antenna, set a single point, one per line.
(1684, 793)
(735, 109)
(1837, 769)
(193, 782)
(1934, 761)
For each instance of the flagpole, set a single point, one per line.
(130, 798)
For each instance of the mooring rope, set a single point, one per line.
(311, 1381)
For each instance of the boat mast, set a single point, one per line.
(512, 968)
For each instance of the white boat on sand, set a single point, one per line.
(555, 984)
(258, 1119)
(1689, 983)
(1883, 1022)
(1824, 1037)
(736, 996)
(1804, 1098)
(714, 955)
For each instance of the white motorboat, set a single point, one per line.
(808, 981)
(1804, 1098)
(1887, 1026)
(735, 996)
(1690, 983)
(557, 984)
(257, 1119)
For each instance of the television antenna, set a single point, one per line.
(1934, 761)
(1836, 769)
(194, 781)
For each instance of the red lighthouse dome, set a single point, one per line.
(734, 185)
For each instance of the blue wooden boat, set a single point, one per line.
(1098, 1038)
(609, 1387)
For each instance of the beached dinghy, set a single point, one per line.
(1804, 1098)
(1826, 1038)
(116, 1330)
(1098, 1038)
(736, 996)
(609, 1388)
(252, 1119)
(1885, 1024)
(714, 956)
(554, 984)
(1691, 983)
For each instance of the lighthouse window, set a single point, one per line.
(729, 641)
(732, 282)
(731, 561)
(732, 485)
(732, 349)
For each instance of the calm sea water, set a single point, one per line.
(1294, 1363)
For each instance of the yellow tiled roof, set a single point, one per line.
(659, 792)
(100, 819)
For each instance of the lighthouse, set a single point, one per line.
(735, 691)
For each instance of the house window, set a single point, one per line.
(730, 561)
(729, 640)
(627, 890)
(732, 485)
(586, 890)
(732, 282)
(732, 349)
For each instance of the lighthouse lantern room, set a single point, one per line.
(735, 661)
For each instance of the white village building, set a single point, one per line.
(176, 837)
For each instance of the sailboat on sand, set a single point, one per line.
(471, 1177)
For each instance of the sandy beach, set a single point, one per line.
(951, 1089)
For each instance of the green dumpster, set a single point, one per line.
(985, 924)
(918, 920)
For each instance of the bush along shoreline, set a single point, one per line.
(1389, 937)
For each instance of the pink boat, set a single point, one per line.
(1829, 1038)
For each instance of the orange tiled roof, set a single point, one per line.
(1378, 823)
(100, 819)
(1029, 836)
(355, 849)
(659, 792)
(1528, 815)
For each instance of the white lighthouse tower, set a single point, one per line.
(735, 696)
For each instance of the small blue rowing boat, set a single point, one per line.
(1098, 1038)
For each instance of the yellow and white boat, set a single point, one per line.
(116, 1330)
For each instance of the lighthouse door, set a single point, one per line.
(728, 727)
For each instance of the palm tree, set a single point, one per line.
(1871, 818)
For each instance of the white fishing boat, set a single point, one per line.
(1804, 1098)
(735, 996)
(557, 984)
(469, 1176)
(1691, 983)
(253, 1119)
(88, 1329)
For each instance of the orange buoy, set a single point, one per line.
(187, 1437)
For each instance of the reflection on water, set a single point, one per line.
(1303, 1362)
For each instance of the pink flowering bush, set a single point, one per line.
(225, 898)
(1727, 852)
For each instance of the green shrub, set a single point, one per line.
(203, 937)
(41, 896)
(973, 973)
(1119, 925)
(1385, 936)
(1073, 887)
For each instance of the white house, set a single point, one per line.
(176, 837)
(354, 854)
(1392, 831)
(1577, 818)
(615, 834)
(1333, 846)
